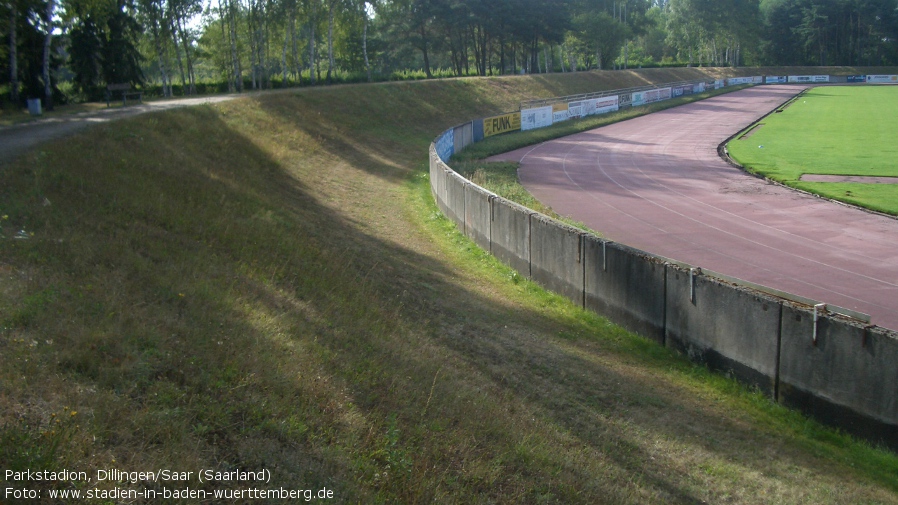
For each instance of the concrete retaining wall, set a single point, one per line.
(731, 329)
(625, 285)
(464, 136)
(556, 257)
(847, 377)
(478, 215)
(845, 373)
(455, 198)
(510, 234)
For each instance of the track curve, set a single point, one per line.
(657, 183)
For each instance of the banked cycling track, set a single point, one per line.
(657, 183)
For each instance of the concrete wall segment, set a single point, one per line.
(846, 378)
(625, 285)
(510, 234)
(731, 329)
(478, 215)
(556, 257)
(455, 198)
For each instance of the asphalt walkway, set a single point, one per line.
(16, 139)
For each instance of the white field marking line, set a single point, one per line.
(729, 256)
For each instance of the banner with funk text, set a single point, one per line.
(501, 124)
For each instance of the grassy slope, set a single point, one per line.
(830, 130)
(266, 284)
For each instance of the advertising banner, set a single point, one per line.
(681, 90)
(698, 88)
(446, 145)
(650, 96)
(501, 124)
(625, 100)
(539, 117)
(893, 79)
(575, 109)
(600, 105)
(757, 79)
(733, 81)
(776, 79)
(560, 112)
(857, 78)
(808, 78)
(718, 84)
(656, 95)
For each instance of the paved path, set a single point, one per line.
(657, 183)
(16, 139)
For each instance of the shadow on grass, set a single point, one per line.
(204, 308)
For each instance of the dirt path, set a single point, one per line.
(658, 184)
(16, 139)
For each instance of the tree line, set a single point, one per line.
(71, 49)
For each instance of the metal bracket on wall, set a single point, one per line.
(819, 309)
(604, 257)
(693, 272)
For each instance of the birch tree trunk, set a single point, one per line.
(365, 40)
(191, 77)
(238, 72)
(330, 40)
(48, 41)
(312, 48)
(160, 54)
(174, 34)
(284, 54)
(13, 55)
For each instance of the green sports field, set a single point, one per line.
(832, 130)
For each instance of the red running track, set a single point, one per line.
(657, 183)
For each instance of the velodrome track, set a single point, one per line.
(657, 183)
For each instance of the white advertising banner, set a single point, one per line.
(808, 78)
(718, 84)
(733, 81)
(776, 79)
(698, 88)
(600, 105)
(539, 117)
(883, 78)
(560, 112)
(650, 96)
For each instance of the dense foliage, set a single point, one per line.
(186, 46)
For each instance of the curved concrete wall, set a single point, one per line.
(841, 371)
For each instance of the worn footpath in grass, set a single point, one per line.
(832, 130)
(266, 284)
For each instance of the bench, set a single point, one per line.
(125, 90)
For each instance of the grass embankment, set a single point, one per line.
(266, 284)
(832, 130)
